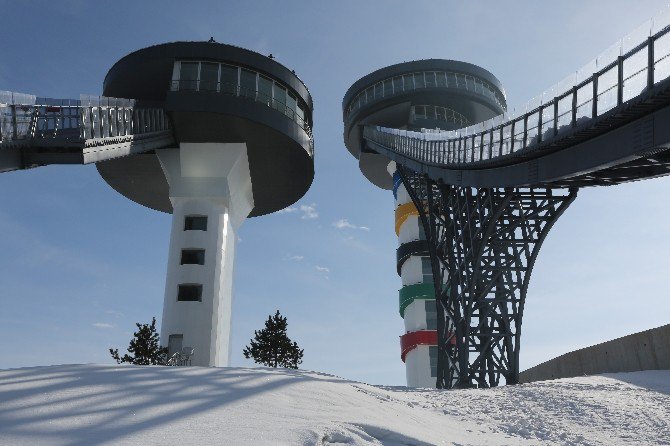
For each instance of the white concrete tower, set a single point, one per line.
(242, 147)
(211, 195)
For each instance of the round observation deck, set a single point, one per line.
(219, 93)
(431, 93)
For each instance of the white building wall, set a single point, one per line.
(411, 271)
(417, 368)
(409, 230)
(403, 196)
(210, 180)
(415, 316)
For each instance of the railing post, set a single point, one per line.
(511, 136)
(594, 105)
(539, 124)
(619, 91)
(501, 141)
(472, 150)
(573, 119)
(490, 149)
(555, 116)
(15, 132)
(525, 130)
(650, 62)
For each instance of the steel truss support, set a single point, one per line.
(483, 244)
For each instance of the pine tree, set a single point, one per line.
(272, 347)
(144, 346)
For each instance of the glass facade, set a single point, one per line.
(237, 81)
(429, 79)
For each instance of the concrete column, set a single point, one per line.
(208, 180)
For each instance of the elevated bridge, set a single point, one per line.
(487, 194)
(40, 131)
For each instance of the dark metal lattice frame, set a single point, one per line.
(483, 244)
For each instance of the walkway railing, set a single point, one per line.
(26, 117)
(619, 75)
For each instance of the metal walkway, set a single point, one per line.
(565, 136)
(39, 131)
(488, 194)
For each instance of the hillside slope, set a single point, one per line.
(97, 404)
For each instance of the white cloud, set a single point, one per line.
(308, 211)
(296, 258)
(322, 269)
(343, 223)
(102, 325)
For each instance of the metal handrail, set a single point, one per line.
(88, 118)
(614, 84)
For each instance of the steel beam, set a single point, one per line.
(483, 243)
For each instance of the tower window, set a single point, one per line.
(432, 353)
(189, 292)
(431, 315)
(195, 223)
(192, 256)
(426, 270)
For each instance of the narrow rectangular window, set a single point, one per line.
(430, 79)
(209, 76)
(229, 79)
(397, 84)
(432, 353)
(195, 223)
(431, 315)
(301, 113)
(419, 80)
(388, 87)
(188, 76)
(264, 90)
(248, 83)
(427, 270)
(291, 105)
(279, 97)
(192, 257)
(189, 292)
(408, 82)
(441, 79)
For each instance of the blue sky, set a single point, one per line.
(80, 264)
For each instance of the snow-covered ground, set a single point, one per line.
(96, 404)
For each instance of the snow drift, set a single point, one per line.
(97, 404)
